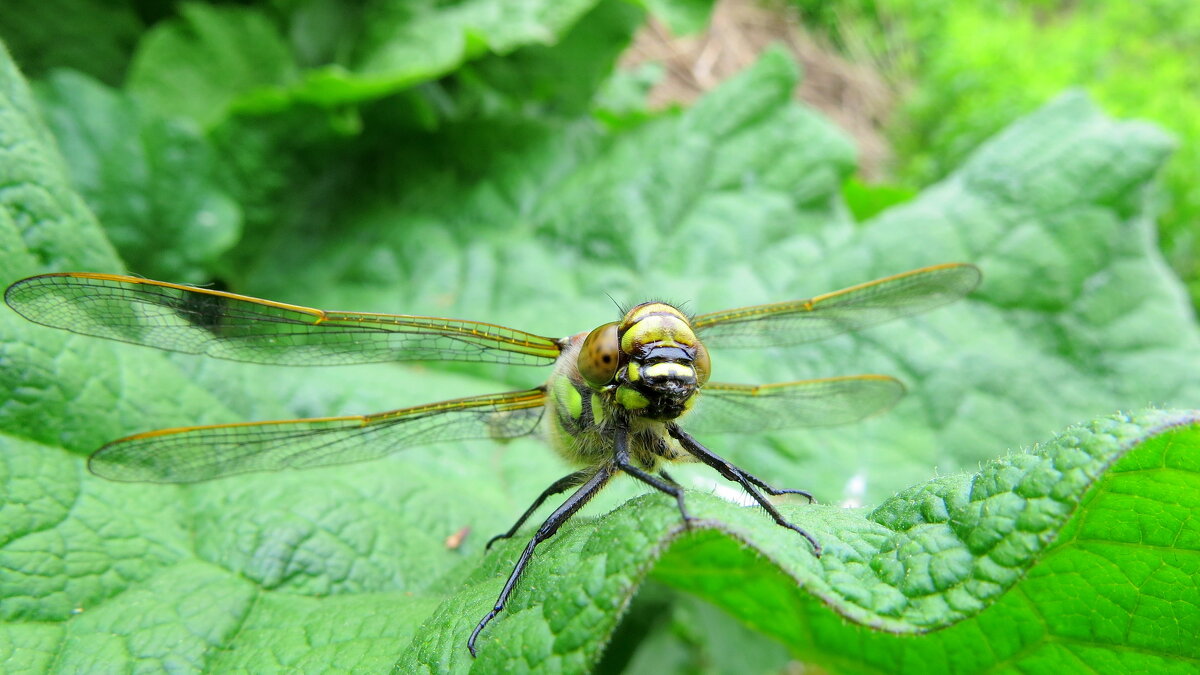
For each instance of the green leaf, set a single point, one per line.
(683, 17)
(1086, 543)
(559, 79)
(43, 223)
(675, 633)
(151, 180)
(216, 60)
(1080, 553)
(210, 59)
(866, 201)
(529, 223)
(976, 67)
(402, 44)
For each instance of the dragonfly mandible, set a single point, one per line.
(623, 398)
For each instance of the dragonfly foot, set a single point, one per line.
(803, 493)
(816, 546)
(487, 618)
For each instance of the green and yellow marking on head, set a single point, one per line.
(631, 399)
(667, 369)
(654, 324)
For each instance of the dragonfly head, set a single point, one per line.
(651, 357)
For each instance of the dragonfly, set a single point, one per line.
(624, 398)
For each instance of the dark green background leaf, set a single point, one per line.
(152, 180)
(215, 60)
(93, 36)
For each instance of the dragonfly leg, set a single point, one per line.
(669, 486)
(561, 515)
(561, 485)
(740, 477)
(769, 489)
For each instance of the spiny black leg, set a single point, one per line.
(669, 486)
(735, 474)
(561, 515)
(732, 469)
(560, 485)
(774, 490)
(771, 490)
(667, 477)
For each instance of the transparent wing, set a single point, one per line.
(739, 408)
(190, 454)
(201, 321)
(851, 309)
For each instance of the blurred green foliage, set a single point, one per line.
(966, 69)
(485, 159)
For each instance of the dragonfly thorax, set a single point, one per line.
(651, 361)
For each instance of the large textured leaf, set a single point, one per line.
(735, 202)
(1079, 551)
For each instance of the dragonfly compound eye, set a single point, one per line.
(600, 355)
(701, 363)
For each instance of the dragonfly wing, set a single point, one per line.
(202, 321)
(739, 408)
(851, 309)
(190, 454)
